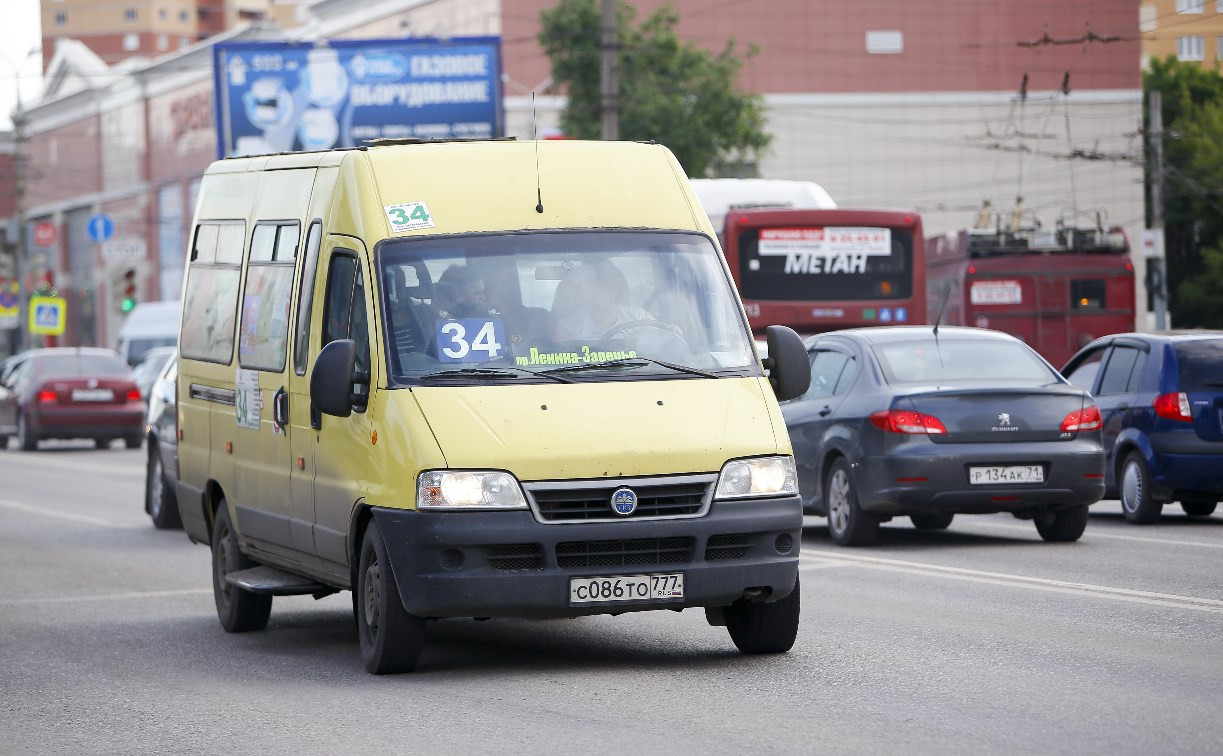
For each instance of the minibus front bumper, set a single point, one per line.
(507, 564)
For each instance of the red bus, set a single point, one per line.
(1057, 289)
(820, 270)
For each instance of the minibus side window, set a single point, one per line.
(263, 343)
(344, 309)
(212, 292)
(305, 298)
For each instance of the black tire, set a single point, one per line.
(101, 443)
(1134, 484)
(764, 628)
(239, 610)
(159, 499)
(133, 442)
(27, 440)
(1199, 508)
(3, 442)
(391, 639)
(847, 523)
(932, 521)
(1062, 525)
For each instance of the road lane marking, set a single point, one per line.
(74, 464)
(107, 597)
(1093, 533)
(1023, 581)
(84, 519)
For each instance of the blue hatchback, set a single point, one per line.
(1161, 400)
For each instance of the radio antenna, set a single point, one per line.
(942, 308)
(539, 195)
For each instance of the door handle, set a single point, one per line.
(1123, 406)
(826, 411)
(280, 408)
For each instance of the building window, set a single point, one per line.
(184, 16)
(163, 41)
(129, 15)
(161, 13)
(61, 19)
(131, 42)
(1189, 48)
(1190, 6)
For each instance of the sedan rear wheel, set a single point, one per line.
(1136, 502)
(26, 440)
(1062, 524)
(1199, 508)
(939, 521)
(847, 523)
(159, 500)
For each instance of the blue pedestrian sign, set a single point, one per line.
(46, 316)
(101, 227)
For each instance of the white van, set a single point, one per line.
(148, 325)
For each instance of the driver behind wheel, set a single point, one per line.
(592, 301)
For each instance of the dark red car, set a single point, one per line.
(70, 393)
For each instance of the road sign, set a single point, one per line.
(47, 316)
(123, 250)
(101, 227)
(45, 234)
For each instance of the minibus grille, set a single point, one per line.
(581, 501)
(516, 556)
(729, 546)
(625, 553)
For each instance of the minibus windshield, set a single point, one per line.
(603, 305)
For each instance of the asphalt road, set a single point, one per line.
(980, 639)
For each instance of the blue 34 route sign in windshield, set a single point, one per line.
(286, 97)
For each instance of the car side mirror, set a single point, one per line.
(331, 383)
(788, 364)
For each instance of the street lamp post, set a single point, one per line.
(17, 336)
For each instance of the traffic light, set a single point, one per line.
(127, 291)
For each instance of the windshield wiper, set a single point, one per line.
(492, 374)
(629, 362)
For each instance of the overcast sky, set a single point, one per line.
(19, 32)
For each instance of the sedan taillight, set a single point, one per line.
(1174, 407)
(133, 395)
(46, 396)
(903, 421)
(1086, 419)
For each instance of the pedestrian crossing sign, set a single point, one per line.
(47, 315)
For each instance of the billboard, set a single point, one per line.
(284, 97)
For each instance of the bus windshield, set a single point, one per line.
(834, 263)
(588, 305)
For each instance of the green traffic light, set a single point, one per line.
(127, 305)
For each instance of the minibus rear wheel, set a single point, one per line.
(240, 610)
(758, 628)
(391, 638)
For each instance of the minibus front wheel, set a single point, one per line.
(759, 628)
(391, 638)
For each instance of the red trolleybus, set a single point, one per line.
(1057, 289)
(820, 270)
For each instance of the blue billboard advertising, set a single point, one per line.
(284, 97)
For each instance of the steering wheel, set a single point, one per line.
(632, 325)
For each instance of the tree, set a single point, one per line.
(671, 91)
(1193, 190)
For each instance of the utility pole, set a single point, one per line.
(609, 77)
(1156, 278)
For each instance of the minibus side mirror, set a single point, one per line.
(788, 364)
(331, 382)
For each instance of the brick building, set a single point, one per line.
(889, 104)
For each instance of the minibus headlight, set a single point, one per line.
(762, 476)
(465, 489)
